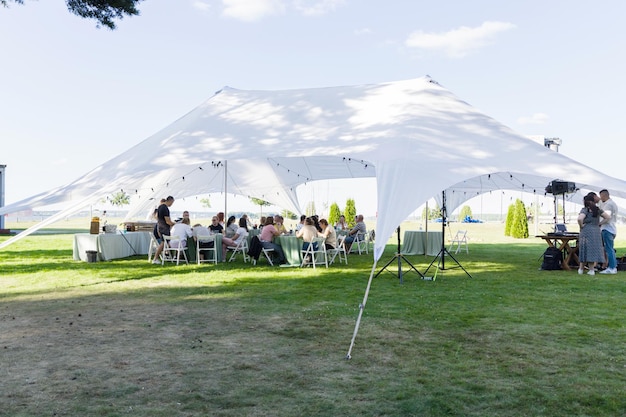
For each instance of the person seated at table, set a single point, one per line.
(220, 218)
(231, 227)
(316, 222)
(307, 233)
(267, 235)
(180, 232)
(240, 234)
(301, 224)
(215, 226)
(199, 230)
(248, 222)
(329, 234)
(186, 216)
(261, 223)
(358, 229)
(341, 225)
(278, 224)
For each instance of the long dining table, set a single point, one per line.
(419, 242)
(110, 245)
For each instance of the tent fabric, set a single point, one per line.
(416, 137)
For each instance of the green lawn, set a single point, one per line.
(130, 338)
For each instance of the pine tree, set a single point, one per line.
(519, 226)
(333, 216)
(350, 212)
(509, 220)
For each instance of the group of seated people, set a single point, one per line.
(234, 232)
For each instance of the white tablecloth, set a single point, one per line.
(111, 245)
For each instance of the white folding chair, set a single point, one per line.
(172, 252)
(316, 252)
(359, 244)
(339, 251)
(242, 247)
(460, 240)
(153, 247)
(267, 252)
(371, 237)
(210, 253)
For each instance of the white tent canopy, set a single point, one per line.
(414, 136)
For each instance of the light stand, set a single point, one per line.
(441, 256)
(400, 258)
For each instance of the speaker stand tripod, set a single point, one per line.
(441, 256)
(399, 257)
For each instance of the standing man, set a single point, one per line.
(609, 231)
(163, 225)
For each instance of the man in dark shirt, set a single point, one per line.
(163, 225)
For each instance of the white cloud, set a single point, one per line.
(251, 10)
(535, 119)
(457, 43)
(201, 5)
(362, 31)
(316, 7)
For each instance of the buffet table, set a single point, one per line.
(111, 245)
(417, 242)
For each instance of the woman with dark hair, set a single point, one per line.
(231, 227)
(329, 233)
(240, 234)
(590, 249)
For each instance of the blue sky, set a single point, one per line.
(73, 96)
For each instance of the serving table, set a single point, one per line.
(418, 242)
(111, 245)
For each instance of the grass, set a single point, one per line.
(126, 337)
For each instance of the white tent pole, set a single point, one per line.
(361, 308)
(225, 190)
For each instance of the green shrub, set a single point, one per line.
(333, 215)
(509, 220)
(350, 212)
(519, 226)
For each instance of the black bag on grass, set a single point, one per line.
(552, 259)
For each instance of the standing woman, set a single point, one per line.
(590, 249)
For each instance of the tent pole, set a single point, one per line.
(225, 190)
(361, 308)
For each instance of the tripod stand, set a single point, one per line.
(441, 256)
(400, 258)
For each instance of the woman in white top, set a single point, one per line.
(341, 224)
(180, 232)
(240, 234)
